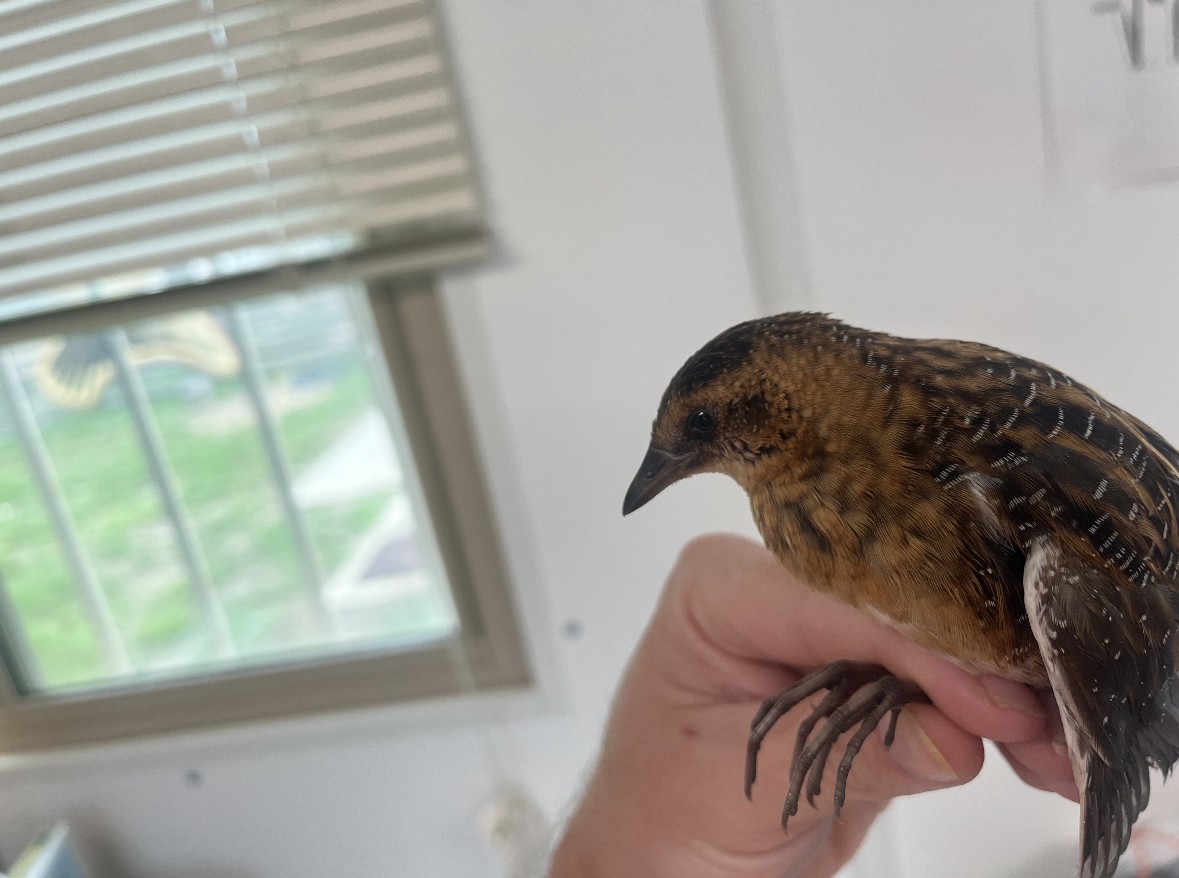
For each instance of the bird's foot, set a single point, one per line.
(857, 693)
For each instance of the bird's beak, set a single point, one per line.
(658, 470)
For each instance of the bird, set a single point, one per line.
(988, 506)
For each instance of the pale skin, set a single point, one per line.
(731, 628)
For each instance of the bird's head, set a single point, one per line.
(732, 408)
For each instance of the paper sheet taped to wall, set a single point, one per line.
(1111, 87)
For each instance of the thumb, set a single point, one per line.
(931, 751)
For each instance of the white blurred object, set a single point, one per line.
(1111, 71)
(51, 855)
(518, 831)
(1154, 846)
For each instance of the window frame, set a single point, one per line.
(488, 651)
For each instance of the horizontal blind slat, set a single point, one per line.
(404, 102)
(240, 194)
(457, 209)
(35, 22)
(63, 182)
(36, 71)
(22, 203)
(250, 69)
(128, 43)
(97, 21)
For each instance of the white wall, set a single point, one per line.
(605, 160)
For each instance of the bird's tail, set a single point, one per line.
(1111, 801)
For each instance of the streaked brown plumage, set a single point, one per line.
(985, 504)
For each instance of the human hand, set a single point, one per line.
(732, 628)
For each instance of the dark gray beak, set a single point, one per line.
(658, 470)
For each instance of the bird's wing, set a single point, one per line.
(1110, 653)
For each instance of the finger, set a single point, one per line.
(1047, 758)
(988, 706)
(933, 750)
(1041, 765)
(745, 604)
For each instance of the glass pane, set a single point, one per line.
(207, 490)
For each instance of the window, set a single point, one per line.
(236, 476)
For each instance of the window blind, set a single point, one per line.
(151, 144)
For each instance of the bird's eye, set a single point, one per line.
(701, 424)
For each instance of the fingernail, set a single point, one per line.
(1060, 747)
(915, 751)
(1008, 695)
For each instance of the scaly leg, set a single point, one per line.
(858, 694)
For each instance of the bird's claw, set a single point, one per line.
(857, 694)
